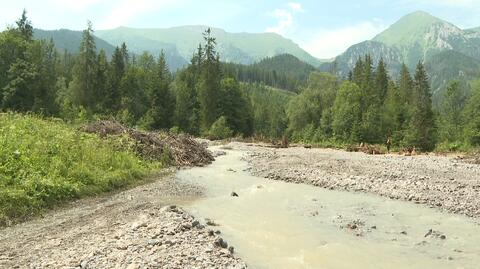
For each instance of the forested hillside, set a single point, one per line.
(283, 71)
(208, 98)
(416, 37)
(70, 40)
(243, 48)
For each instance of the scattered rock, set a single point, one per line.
(234, 194)
(219, 242)
(426, 179)
(435, 234)
(210, 222)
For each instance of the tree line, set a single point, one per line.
(207, 99)
(136, 90)
(371, 107)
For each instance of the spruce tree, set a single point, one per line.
(209, 83)
(381, 80)
(405, 84)
(24, 26)
(83, 86)
(115, 75)
(421, 128)
(101, 93)
(160, 114)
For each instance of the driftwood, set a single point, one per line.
(182, 149)
(473, 158)
(366, 148)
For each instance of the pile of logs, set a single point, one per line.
(184, 150)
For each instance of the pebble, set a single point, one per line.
(425, 179)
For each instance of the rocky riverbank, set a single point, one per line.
(132, 229)
(437, 181)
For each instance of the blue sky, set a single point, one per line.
(323, 28)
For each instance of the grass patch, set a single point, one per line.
(44, 162)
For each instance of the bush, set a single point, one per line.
(220, 130)
(46, 162)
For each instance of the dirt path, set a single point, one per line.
(132, 229)
(441, 182)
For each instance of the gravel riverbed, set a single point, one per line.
(138, 228)
(436, 181)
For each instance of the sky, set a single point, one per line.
(323, 28)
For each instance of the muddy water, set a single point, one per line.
(282, 225)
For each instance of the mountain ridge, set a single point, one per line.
(244, 48)
(418, 37)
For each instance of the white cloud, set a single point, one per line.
(326, 44)
(128, 10)
(296, 6)
(285, 21)
(284, 18)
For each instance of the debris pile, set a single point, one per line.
(186, 151)
(366, 148)
(473, 158)
(182, 149)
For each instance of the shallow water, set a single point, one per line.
(282, 225)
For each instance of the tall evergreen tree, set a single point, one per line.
(381, 80)
(24, 26)
(20, 75)
(405, 84)
(84, 82)
(209, 83)
(101, 93)
(235, 108)
(187, 108)
(421, 129)
(450, 120)
(160, 115)
(115, 75)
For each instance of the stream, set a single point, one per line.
(282, 225)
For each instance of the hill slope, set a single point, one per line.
(284, 71)
(450, 52)
(70, 40)
(244, 48)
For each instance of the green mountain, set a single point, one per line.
(244, 48)
(283, 71)
(450, 52)
(448, 65)
(70, 40)
(288, 65)
(420, 35)
(345, 62)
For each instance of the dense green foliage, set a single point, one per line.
(209, 98)
(447, 51)
(283, 71)
(370, 108)
(44, 162)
